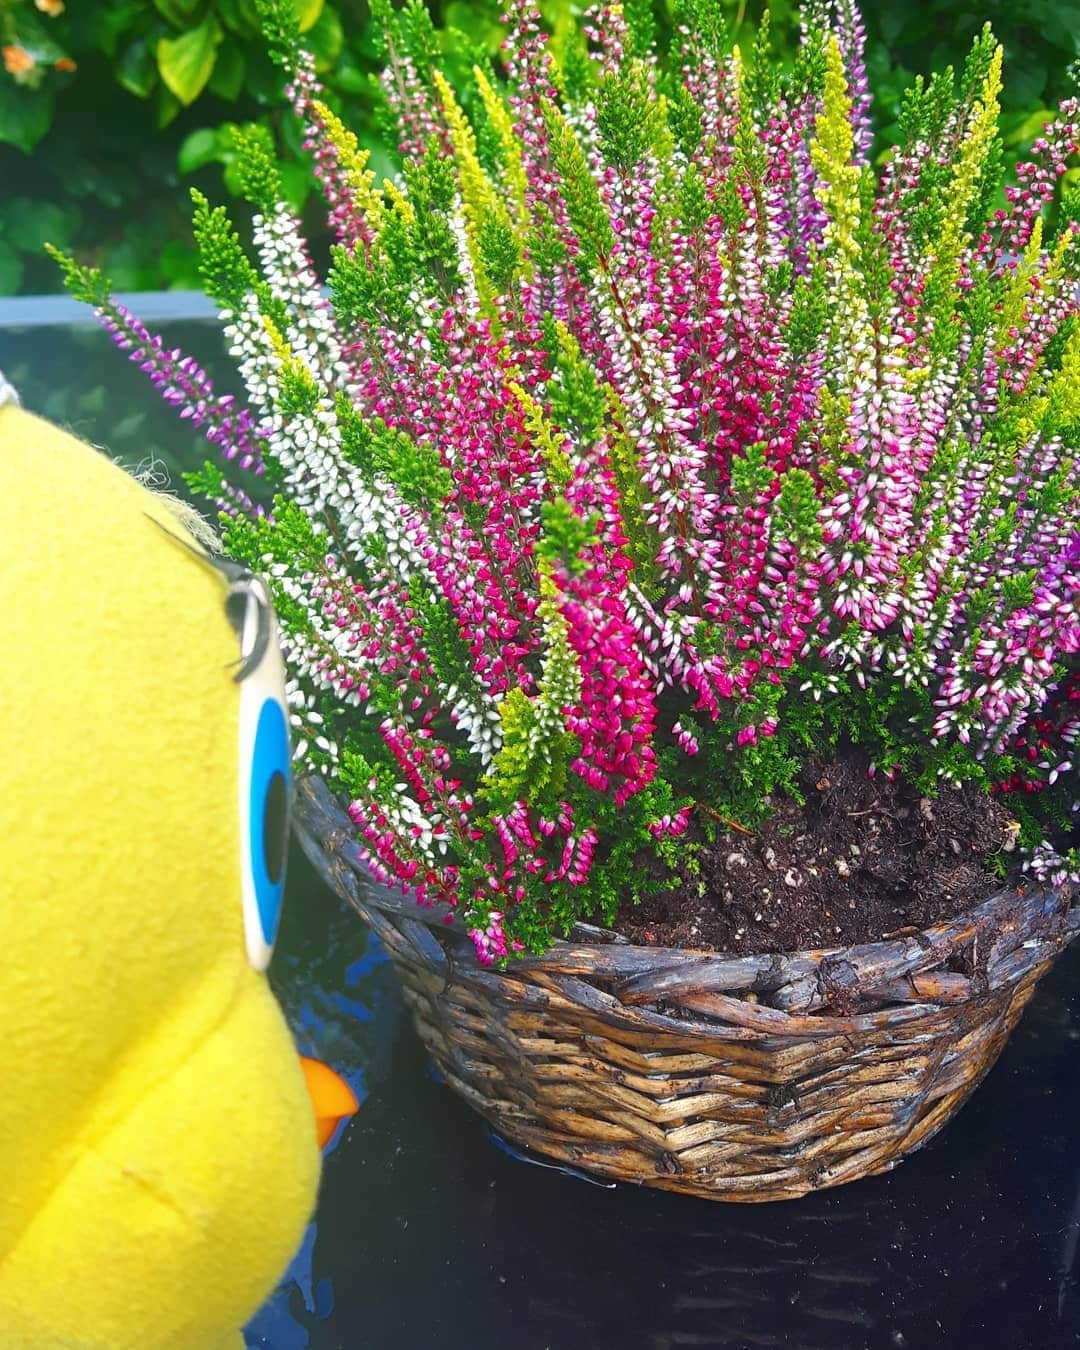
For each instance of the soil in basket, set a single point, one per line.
(862, 859)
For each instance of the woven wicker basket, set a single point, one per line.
(733, 1078)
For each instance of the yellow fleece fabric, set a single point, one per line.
(157, 1145)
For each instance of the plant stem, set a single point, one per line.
(724, 820)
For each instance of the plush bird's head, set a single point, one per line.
(157, 1143)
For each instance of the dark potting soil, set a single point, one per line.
(862, 859)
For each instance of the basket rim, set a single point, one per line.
(1050, 915)
(727, 1077)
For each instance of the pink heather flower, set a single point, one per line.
(604, 457)
(671, 824)
(490, 941)
(685, 739)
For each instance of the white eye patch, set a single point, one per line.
(264, 779)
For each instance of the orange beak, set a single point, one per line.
(332, 1098)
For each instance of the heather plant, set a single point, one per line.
(646, 444)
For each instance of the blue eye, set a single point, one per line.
(264, 779)
(268, 816)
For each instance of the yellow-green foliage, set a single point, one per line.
(954, 237)
(1063, 391)
(546, 436)
(353, 166)
(479, 199)
(832, 152)
(509, 147)
(401, 204)
(531, 765)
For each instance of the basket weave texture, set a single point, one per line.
(728, 1077)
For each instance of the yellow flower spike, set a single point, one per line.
(1014, 302)
(623, 457)
(509, 146)
(560, 675)
(400, 202)
(546, 436)
(461, 133)
(291, 364)
(835, 428)
(277, 342)
(736, 73)
(476, 191)
(1066, 239)
(973, 153)
(1017, 296)
(353, 163)
(479, 198)
(832, 151)
(533, 726)
(568, 343)
(1034, 248)
(1063, 391)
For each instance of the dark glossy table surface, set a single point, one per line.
(429, 1236)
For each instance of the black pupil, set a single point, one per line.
(274, 827)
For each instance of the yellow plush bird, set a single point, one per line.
(158, 1149)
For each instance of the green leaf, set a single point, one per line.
(1030, 125)
(325, 40)
(249, 9)
(186, 62)
(26, 223)
(180, 265)
(180, 13)
(128, 267)
(136, 71)
(25, 115)
(307, 13)
(349, 78)
(890, 21)
(166, 107)
(228, 78)
(11, 269)
(237, 17)
(263, 80)
(295, 183)
(198, 148)
(110, 184)
(1060, 24)
(1026, 81)
(479, 24)
(111, 24)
